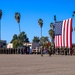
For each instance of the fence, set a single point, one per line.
(13, 51)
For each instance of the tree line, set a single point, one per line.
(18, 40)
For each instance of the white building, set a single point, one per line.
(32, 45)
(10, 45)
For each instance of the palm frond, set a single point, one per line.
(0, 14)
(54, 17)
(73, 12)
(17, 17)
(51, 33)
(72, 15)
(40, 21)
(52, 25)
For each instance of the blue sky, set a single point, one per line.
(31, 11)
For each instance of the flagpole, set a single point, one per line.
(0, 30)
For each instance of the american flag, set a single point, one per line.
(63, 33)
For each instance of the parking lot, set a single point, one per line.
(17, 64)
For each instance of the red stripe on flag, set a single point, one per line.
(70, 33)
(55, 42)
(63, 35)
(66, 34)
(60, 41)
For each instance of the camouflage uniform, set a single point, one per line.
(49, 51)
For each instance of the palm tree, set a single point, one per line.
(51, 33)
(73, 13)
(17, 17)
(54, 17)
(40, 21)
(0, 22)
(52, 25)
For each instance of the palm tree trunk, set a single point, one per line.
(0, 30)
(41, 48)
(52, 41)
(42, 51)
(19, 28)
(19, 33)
(41, 31)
